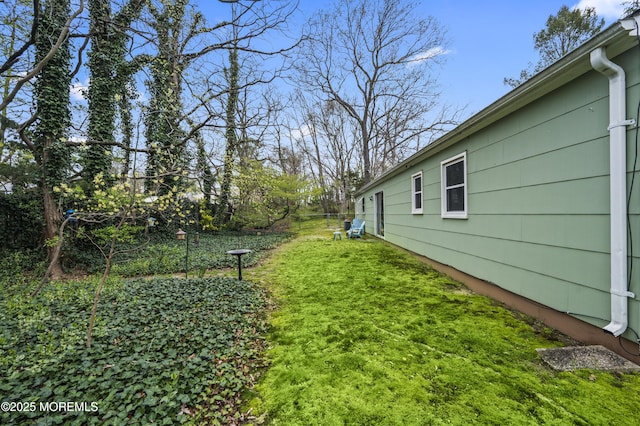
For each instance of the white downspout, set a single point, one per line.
(618, 188)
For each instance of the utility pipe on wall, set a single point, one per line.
(618, 188)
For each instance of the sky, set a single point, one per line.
(493, 39)
(488, 41)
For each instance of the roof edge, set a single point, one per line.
(617, 38)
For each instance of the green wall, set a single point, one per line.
(538, 201)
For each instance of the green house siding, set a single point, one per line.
(538, 201)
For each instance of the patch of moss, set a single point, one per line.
(364, 333)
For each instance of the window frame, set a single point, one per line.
(454, 214)
(414, 209)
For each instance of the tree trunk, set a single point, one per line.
(52, 226)
(53, 270)
(365, 151)
(105, 274)
(232, 142)
(51, 90)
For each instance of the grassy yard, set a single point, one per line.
(364, 334)
(358, 333)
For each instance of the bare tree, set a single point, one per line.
(630, 7)
(564, 31)
(19, 52)
(244, 74)
(324, 133)
(377, 65)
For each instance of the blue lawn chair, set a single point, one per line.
(357, 229)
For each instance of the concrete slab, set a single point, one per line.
(594, 357)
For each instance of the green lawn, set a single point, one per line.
(364, 334)
(358, 333)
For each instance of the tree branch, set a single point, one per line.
(52, 52)
(32, 39)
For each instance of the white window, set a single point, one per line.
(454, 187)
(416, 193)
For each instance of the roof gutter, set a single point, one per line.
(618, 188)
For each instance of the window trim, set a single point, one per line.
(454, 214)
(414, 209)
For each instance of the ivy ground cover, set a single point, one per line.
(167, 255)
(365, 334)
(165, 351)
